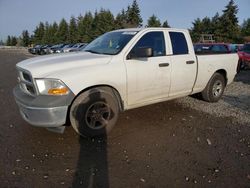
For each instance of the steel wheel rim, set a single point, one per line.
(217, 88)
(98, 115)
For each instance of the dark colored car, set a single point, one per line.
(244, 57)
(212, 48)
(66, 48)
(56, 48)
(78, 48)
(44, 49)
(35, 49)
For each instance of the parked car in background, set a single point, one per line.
(235, 47)
(66, 48)
(244, 57)
(35, 49)
(75, 46)
(56, 48)
(79, 48)
(212, 48)
(44, 49)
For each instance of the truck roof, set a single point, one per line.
(151, 29)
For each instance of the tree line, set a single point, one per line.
(224, 27)
(85, 28)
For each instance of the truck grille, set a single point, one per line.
(27, 77)
(26, 82)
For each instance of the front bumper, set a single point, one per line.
(44, 117)
(43, 111)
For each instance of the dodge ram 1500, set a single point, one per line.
(118, 71)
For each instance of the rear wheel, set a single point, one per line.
(239, 67)
(214, 89)
(94, 112)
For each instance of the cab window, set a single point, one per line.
(179, 43)
(154, 40)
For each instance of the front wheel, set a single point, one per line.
(214, 89)
(94, 112)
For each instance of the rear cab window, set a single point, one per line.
(179, 43)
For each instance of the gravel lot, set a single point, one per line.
(180, 143)
(234, 104)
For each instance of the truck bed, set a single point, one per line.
(208, 64)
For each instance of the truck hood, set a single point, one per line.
(44, 66)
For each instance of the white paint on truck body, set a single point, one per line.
(138, 81)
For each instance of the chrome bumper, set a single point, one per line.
(44, 117)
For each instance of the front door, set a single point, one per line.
(148, 79)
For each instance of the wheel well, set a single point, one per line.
(223, 73)
(115, 92)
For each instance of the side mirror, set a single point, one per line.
(140, 53)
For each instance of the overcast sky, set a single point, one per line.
(18, 15)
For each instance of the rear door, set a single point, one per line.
(184, 65)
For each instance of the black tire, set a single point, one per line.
(94, 112)
(214, 89)
(240, 65)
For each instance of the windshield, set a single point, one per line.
(110, 43)
(246, 48)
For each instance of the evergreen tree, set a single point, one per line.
(95, 30)
(39, 33)
(13, 41)
(215, 27)
(206, 26)
(229, 27)
(46, 36)
(25, 38)
(73, 32)
(53, 31)
(121, 20)
(85, 27)
(133, 15)
(103, 22)
(31, 39)
(63, 32)
(196, 30)
(8, 41)
(200, 27)
(19, 41)
(153, 21)
(165, 24)
(245, 29)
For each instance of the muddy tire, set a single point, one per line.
(94, 112)
(214, 89)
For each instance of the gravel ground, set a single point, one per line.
(235, 102)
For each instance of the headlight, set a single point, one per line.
(51, 87)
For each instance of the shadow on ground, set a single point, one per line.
(92, 166)
(243, 76)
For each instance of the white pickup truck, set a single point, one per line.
(118, 71)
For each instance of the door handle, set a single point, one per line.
(163, 64)
(190, 62)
